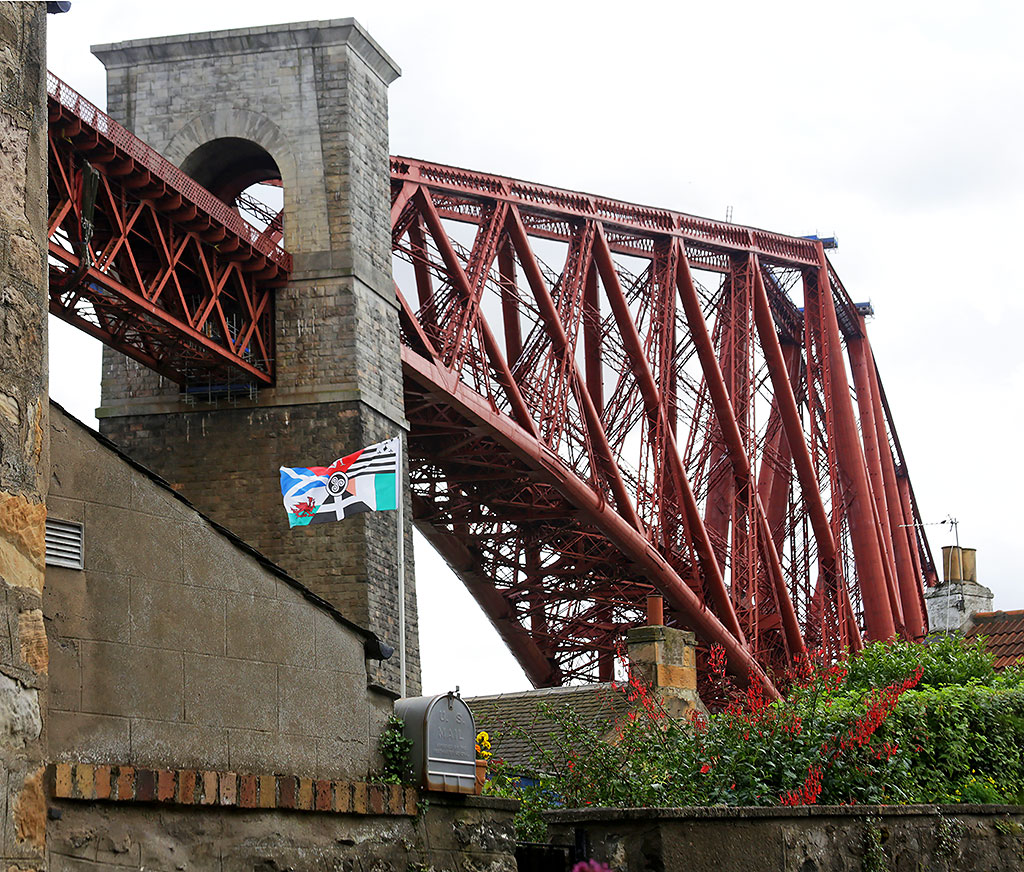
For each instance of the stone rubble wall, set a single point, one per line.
(451, 835)
(24, 447)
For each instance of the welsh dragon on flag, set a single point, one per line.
(364, 481)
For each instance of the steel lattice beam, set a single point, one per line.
(151, 263)
(608, 399)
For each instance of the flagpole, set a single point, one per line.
(400, 501)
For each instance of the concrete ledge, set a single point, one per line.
(251, 40)
(466, 800)
(203, 787)
(595, 815)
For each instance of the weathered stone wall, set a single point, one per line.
(314, 96)
(804, 839)
(454, 835)
(176, 647)
(24, 453)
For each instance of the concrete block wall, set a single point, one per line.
(176, 647)
(314, 96)
(24, 453)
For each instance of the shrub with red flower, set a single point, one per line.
(837, 737)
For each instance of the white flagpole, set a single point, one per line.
(400, 501)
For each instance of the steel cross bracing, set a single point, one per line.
(608, 400)
(150, 262)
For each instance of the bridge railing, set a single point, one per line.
(152, 160)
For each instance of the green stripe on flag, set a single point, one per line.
(384, 485)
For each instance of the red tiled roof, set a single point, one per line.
(1003, 633)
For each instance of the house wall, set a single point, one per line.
(177, 647)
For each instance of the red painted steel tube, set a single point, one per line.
(451, 260)
(906, 498)
(553, 326)
(856, 349)
(538, 667)
(775, 480)
(790, 413)
(631, 542)
(908, 580)
(509, 308)
(649, 390)
(878, 616)
(726, 418)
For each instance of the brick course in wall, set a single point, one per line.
(203, 787)
(314, 96)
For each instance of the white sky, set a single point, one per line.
(895, 126)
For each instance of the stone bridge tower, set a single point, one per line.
(305, 103)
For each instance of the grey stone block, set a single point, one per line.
(87, 738)
(319, 702)
(178, 745)
(76, 470)
(212, 560)
(343, 758)
(134, 544)
(270, 629)
(65, 675)
(64, 509)
(337, 647)
(177, 616)
(87, 605)
(272, 752)
(230, 693)
(131, 681)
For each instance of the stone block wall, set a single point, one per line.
(314, 96)
(177, 647)
(804, 839)
(24, 453)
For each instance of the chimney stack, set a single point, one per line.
(667, 660)
(951, 603)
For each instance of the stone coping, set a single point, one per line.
(209, 788)
(251, 40)
(594, 815)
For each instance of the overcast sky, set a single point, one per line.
(895, 126)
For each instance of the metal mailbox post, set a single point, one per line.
(443, 735)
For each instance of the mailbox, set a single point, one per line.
(443, 735)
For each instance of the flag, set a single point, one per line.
(364, 481)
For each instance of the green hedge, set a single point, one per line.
(898, 723)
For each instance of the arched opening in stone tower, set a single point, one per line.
(245, 176)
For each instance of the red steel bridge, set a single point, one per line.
(606, 400)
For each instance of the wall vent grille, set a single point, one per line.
(64, 544)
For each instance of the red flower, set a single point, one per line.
(705, 769)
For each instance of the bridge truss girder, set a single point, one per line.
(652, 413)
(149, 262)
